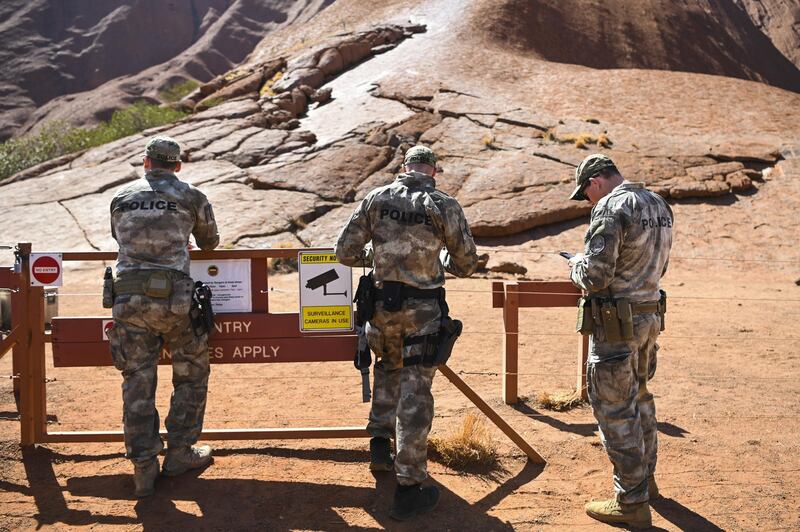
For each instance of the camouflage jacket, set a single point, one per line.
(409, 223)
(152, 218)
(627, 244)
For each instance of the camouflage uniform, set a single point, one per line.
(408, 222)
(152, 219)
(626, 254)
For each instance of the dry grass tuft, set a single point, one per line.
(580, 140)
(266, 89)
(604, 141)
(234, 74)
(559, 401)
(469, 446)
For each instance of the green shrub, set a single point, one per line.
(208, 103)
(177, 91)
(58, 138)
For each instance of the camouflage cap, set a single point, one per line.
(590, 167)
(163, 148)
(420, 154)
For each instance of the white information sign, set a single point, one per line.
(46, 269)
(229, 280)
(326, 292)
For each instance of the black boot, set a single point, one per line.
(410, 501)
(380, 455)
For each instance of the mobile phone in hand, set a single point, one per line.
(566, 255)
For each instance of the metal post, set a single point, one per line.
(21, 353)
(19, 331)
(511, 343)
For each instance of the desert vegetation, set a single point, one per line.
(59, 138)
(467, 446)
(175, 92)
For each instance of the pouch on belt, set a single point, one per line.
(625, 315)
(585, 323)
(608, 314)
(158, 285)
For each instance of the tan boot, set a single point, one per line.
(144, 477)
(652, 488)
(612, 511)
(179, 460)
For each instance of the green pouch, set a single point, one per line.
(625, 315)
(158, 285)
(608, 314)
(585, 324)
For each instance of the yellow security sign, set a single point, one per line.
(326, 292)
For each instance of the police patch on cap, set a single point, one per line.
(163, 148)
(420, 154)
(590, 167)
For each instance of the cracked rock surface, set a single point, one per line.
(286, 144)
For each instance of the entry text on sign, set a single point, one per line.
(243, 352)
(233, 326)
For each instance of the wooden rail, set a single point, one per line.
(266, 338)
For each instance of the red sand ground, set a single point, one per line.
(726, 393)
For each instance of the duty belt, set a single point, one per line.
(154, 283)
(410, 292)
(648, 307)
(131, 285)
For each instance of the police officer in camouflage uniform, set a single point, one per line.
(152, 220)
(417, 233)
(626, 254)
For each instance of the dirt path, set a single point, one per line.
(726, 393)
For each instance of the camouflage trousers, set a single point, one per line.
(402, 403)
(617, 374)
(142, 327)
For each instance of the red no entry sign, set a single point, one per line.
(46, 269)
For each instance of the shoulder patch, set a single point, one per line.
(597, 244)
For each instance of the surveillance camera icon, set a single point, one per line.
(322, 280)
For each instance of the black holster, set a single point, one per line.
(201, 314)
(449, 331)
(365, 299)
(438, 347)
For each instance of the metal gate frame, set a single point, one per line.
(27, 339)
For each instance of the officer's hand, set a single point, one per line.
(368, 254)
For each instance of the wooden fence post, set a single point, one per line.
(511, 343)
